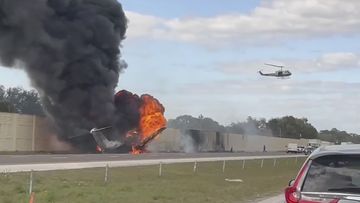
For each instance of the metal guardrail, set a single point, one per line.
(128, 163)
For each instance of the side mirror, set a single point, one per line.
(291, 182)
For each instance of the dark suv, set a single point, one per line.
(331, 174)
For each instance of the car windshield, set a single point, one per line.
(340, 173)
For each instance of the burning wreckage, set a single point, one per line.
(71, 52)
(150, 123)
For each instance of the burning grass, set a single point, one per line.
(142, 184)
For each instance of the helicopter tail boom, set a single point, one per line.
(266, 74)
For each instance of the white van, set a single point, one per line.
(292, 148)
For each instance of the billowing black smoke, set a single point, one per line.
(70, 50)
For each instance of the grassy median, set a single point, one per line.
(178, 183)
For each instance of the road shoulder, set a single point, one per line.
(275, 199)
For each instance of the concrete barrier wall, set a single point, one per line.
(43, 136)
(256, 143)
(31, 133)
(168, 141)
(16, 132)
(171, 140)
(6, 133)
(28, 133)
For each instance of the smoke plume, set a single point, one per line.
(70, 51)
(187, 143)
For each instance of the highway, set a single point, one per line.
(66, 158)
(22, 163)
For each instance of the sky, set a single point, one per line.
(203, 58)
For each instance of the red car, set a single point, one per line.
(331, 174)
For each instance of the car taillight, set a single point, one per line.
(292, 195)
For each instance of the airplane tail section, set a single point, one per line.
(102, 141)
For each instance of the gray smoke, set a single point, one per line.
(70, 50)
(188, 143)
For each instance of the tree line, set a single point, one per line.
(287, 127)
(338, 136)
(18, 100)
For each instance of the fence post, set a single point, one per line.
(195, 166)
(160, 169)
(224, 164)
(106, 173)
(262, 163)
(274, 162)
(243, 166)
(32, 198)
(31, 182)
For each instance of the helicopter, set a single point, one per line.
(279, 73)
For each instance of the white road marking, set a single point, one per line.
(59, 157)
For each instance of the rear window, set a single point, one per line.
(336, 173)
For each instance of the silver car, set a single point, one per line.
(331, 174)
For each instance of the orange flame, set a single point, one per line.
(151, 116)
(146, 121)
(136, 151)
(152, 121)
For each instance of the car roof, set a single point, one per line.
(335, 150)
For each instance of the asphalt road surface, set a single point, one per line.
(72, 158)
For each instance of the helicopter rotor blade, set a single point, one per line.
(269, 64)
